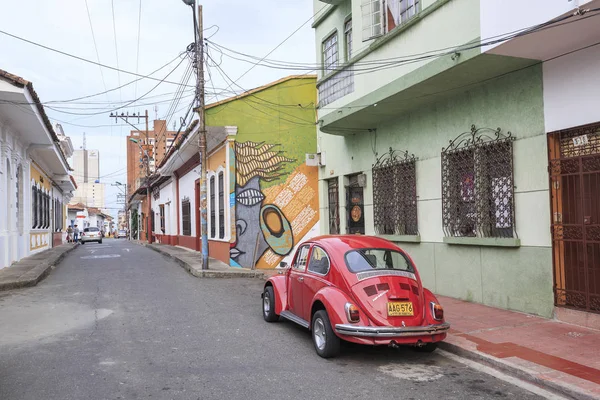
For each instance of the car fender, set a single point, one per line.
(430, 297)
(279, 284)
(335, 301)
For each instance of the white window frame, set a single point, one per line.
(330, 51)
(348, 38)
(372, 19)
(226, 210)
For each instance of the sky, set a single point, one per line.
(165, 30)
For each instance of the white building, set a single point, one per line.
(90, 191)
(35, 180)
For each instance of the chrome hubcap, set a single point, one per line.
(319, 334)
(266, 303)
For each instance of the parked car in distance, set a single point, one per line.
(91, 234)
(361, 289)
(122, 233)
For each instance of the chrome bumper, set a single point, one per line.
(388, 332)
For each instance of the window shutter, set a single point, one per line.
(372, 19)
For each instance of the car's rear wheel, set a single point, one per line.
(426, 348)
(269, 305)
(326, 342)
(99, 241)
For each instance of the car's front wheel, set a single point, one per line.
(326, 342)
(268, 304)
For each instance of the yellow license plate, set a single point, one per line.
(400, 309)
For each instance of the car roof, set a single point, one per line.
(340, 244)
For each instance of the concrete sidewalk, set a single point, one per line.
(192, 262)
(560, 356)
(31, 270)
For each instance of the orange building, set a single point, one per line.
(156, 142)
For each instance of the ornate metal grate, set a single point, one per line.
(395, 194)
(574, 167)
(334, 206)
(478, 184)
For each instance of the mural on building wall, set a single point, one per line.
(270, 221)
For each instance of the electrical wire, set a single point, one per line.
(84, 59)
(112, 5)
(126, 104)
(95, 46)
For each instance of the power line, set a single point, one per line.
(137, 61)
(95, 46)
(126, 104)
(112, 5)
(85, 59)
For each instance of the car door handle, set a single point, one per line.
(301, 279)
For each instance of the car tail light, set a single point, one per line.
(437, 311)
(352, 313)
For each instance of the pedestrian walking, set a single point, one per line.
(75, 234)
(70, 234)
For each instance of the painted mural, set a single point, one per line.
(270, 220)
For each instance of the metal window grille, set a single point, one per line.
(372, 19)
(330, 53)
(221, 206)
(478, 184)
(34, 207)
(395, 194)
(334, 206)
(348, 39)
(186, 217)
(408, 9)
(213, 221)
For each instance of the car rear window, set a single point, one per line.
(91, 230)
(377, 259)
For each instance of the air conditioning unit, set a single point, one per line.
(315, 159)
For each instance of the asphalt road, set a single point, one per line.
(119, 321)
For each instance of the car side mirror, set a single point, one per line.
(283, 265)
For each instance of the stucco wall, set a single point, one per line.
(518, 278)
(457, 19)
(571, 94)
(272, 193)
(167, 198)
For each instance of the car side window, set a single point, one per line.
(319, 261)
(300, 261)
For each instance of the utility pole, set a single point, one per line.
(125, 117)
(202, 130)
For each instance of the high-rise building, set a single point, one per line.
(157, 143)
(86, 165)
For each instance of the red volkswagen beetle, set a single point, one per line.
(361, 289)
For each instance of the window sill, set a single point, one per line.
(478, 241)
(402, 238)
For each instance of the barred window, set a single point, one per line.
(330, 53)
(395, 194)
(213, 221)
(478, 185)
(185, 217)
(334, 206)
(34, 207)
(221, 206)
(161, 208)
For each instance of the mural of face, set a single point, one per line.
(258, 227)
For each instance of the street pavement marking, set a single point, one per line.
(101, 256)
(502, 376)
(127, 250)
(412, 372)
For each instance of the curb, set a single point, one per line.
(515, 371)
(205, 273)
(37, 274)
